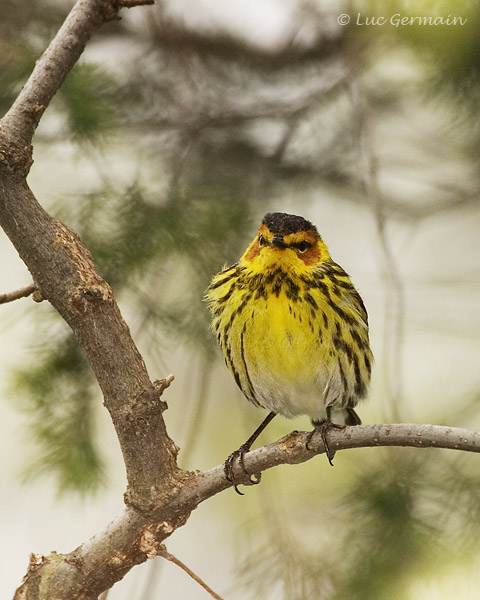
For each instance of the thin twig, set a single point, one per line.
(21, 293)
(165, 554)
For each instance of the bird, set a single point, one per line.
(293, 330)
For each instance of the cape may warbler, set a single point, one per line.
(293, 329)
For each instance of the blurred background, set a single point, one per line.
(181, 126)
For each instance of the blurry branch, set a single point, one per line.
(168, 34)
(193, 118)
(170, 557)
(21, 293)
(460, 198)
(133, 3)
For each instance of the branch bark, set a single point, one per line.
(292, 449)
(159, 496)
(137, 535)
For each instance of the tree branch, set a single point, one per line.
(19, 124)
(64, 272)
(292, 449)
(167, 556)
(135, 536)
(21, 293)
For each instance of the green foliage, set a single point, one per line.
(163, 250)
(386, 502)
(88, 102)
(59, 396)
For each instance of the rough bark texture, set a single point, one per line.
(63, 270)
(159, 497)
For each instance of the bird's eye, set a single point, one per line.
(262, 241)
(302, 246)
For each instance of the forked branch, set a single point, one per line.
(135, 536)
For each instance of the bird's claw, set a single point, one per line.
(322, 427)
(228, 469)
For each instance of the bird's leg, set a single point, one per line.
(323, 426)
(352, 418)
(240, 453)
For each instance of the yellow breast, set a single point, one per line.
(295, 343)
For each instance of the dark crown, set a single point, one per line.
(283, 223)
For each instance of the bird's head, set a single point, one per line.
(286, 242)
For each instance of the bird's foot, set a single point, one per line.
(228, 468)
(322, 428)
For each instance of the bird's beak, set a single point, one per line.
(277, 242)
